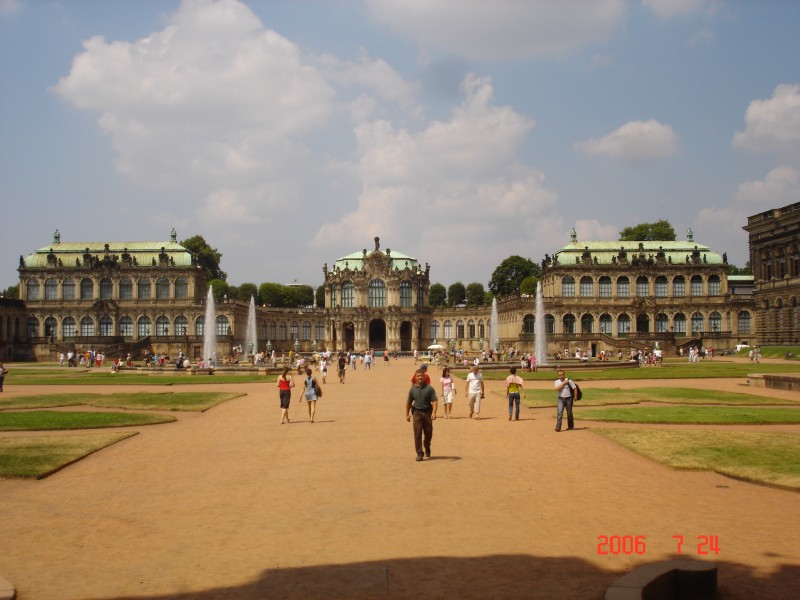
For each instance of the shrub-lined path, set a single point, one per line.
(231, 504)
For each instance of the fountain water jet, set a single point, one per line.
(540, 340)
(494, 332)
(210, 331)
(250, 340)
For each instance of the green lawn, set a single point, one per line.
(721, 415)
(40, 456)
(193, 401)
(46, 420)
(766, 458)
(46, 376)
(604, 396)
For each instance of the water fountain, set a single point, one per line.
(210, 331)
(540, 341)
(250, 340)
(494, 331)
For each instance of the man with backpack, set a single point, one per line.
(566, 390)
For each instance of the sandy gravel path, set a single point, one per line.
(231, 504)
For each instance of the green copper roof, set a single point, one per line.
(606, 253)
(144, 253)
(355, 261)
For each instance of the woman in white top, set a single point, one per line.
(448, 391)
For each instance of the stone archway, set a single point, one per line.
(348, 335)
(406, 329)
(377, 334)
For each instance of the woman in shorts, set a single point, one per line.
(285, 385)
(310, 392)
(448, 391)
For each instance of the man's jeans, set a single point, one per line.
(562, 404)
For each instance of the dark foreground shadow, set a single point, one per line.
(514, 576)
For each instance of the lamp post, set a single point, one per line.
(480, 344)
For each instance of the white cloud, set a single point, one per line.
(634, 141)
(456, 185)
(594, 230)
(780, 187)
(503, 28)
(773, 125)
(670, 9)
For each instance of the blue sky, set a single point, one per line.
(460, 132)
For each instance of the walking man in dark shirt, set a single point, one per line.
(422, 403)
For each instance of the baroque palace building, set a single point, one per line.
(774, 240)
(129, 297)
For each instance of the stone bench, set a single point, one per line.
(667, 580)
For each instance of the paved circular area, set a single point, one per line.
(231, 504)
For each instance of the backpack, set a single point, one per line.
(578, 392)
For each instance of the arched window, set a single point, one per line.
(51, 289)
(642, 323)
(715, 322)
(106, 289)
(568, 286)
(306, 331)
(162, 288)
(87, 289)
(448, 329)
(606, 324)
(604, 287)
(200, 325)
(623, 325)
(222, 325)
(587, 287)
(623, 287)
(348, 294)
(319, 334)
(32, 290)
(68, 327)
(126, 327)
(143, 326)
(376, 293)
(125, 289)
(481, 329)
(68, 289)
(587, 323)
(283, 331)
(293, 329)
(181, 325)
(679, 286)
(529, 324)
(550, 323)
(143, 291)
(714, 285)
(470, 328)
(434, 330)
(642, 286)
(680, 324)
(406, 294)
(661, 287)
(744, 321)
(696, 286)
(87, 326)
(460, 329)
(33, 327)
(662, 323)
(697, 323)
(273, 331)
(106, 326)
(162, 326)
(50, 327)
(569, 323)
(181, 287)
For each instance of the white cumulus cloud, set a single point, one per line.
(634, 141)
(501, 29)
(773, 125)
(670, 9)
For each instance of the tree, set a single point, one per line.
(321, 296)
(220, 289)
(246, 290)
(528, 285)
(299, 295)
(207, 257)
(508, 276)
(11, 292)
(475, 294)
(661, 231)
(456, 294)
(745, 270)
(437, 295)
(272, 294)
